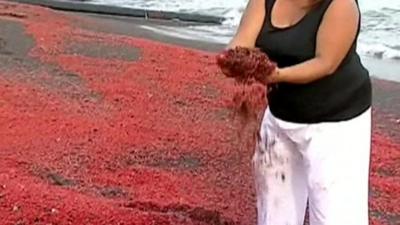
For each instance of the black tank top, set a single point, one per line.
(341, 96)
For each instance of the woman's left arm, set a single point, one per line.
(334, 39)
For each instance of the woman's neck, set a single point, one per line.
(306, 4)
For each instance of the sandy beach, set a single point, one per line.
(105, 122)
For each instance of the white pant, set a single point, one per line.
(324, 163)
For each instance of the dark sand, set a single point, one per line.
(132, 27)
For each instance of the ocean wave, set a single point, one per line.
(379, 38)
(379, 51)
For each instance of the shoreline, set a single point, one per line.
(81, 6)
(151, 24)
(382, 68)
(133, 27)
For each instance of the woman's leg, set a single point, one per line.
(280, 177)
(338, 167)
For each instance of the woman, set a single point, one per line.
(314, 143)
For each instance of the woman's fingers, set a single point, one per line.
(227, 72)
(245, 64)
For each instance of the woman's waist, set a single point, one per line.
(320, 103)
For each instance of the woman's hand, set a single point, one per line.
(226, 71)
(274, 77)
(221, 62)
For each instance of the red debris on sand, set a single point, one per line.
(247, 66)
(249, 101)
(88, 140)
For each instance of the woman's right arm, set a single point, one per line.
(250, 25)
